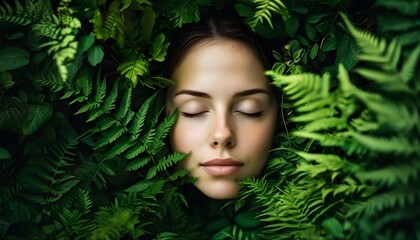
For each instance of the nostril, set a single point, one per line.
(215, 143)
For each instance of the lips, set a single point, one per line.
(222, 167)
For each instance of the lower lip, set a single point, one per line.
(221, 170)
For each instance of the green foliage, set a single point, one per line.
(83, 152)
(373, 128)
(264, 10)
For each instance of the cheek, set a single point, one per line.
(258, 138)
(184, 137)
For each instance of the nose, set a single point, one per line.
(223, 135)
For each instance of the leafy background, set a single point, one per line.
(83, 153)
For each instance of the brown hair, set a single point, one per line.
(219, 25)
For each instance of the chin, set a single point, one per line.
(218, 189)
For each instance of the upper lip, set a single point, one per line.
(222, 162)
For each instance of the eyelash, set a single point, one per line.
(193, 115)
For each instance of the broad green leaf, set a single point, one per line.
(333, 227)
(37, 115)
(12, 58)
(147, 22)
(347, 51)
(95, 55)
(6, 80)
(310, 31)
(292, 25)
(4, 154)
(86, 42)
(314, 51)
(159, 48)
(243, 10)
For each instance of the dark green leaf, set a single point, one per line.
(147, 22)
(86, 42)
(95, 55)
(12, 58)
(314, 51)
(37, 115)
(4, 154)
(243, 10)
(292, 25)
(310, 31)
(333, 227)
(347, 51)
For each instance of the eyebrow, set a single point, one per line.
(236, 95)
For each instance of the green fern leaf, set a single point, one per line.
(398, 198)
(391, 82)
(407, 71)
(395, 145)
(109, 102)
(138, 163)
(136, 126)
(265, 8)
(100, 90)
(314, 115)
(165, 163)
(125, 104)
(134, 68)
(164, 127)
(105, 123)
(120, 146)
(396, 175)
(325, 124)
(111, 25)
(302, 87)
(185, 11)
(135, 150)
(110, 136)
(21, 16)
(369, 44)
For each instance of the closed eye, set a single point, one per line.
(255, 114)
(192, 115)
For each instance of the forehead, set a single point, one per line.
(219, 62)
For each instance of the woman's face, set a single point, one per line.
(227, 116)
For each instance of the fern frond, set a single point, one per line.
(390, 176)
(119, 147)
(136, 126)
(289, 211)
(265, 8)
(324, 163)
(164, 127)
(409, 67)
(185, 11)
(304, 88)
(165, 163)
(138, 163)
(125, 104)
(20, 15)
(110, 136)
(368, 42)
(134, 68)
(323, 113)
(110, 25)
(398, 198)
(398, 145)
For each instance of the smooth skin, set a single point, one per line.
(226, 111)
